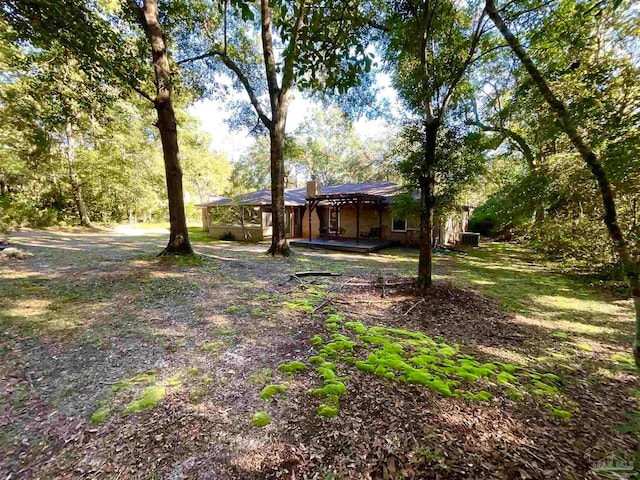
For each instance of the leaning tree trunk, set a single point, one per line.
(427, 201)
(76, 186)
(167, 126)
(631, 267)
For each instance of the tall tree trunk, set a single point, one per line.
(427, 201)
(279, 245)
(280, 99)
(631, 267)
(76, 186)
(167, 126)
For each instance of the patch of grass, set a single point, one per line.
(148, 399)
(261, 419)
(232, 309)
(193, 372)
(198, 393)
(261, 376)
(182, 260)
(198, 235)
(19, 397)
(559, 335)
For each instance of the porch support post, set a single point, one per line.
(358, 221)
(380, 208)
(310, 209)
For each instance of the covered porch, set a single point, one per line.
(343, 244)
(348, 228)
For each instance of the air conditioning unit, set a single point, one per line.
(469, 238)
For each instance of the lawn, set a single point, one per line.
(118, 364)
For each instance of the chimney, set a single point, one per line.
(313, 188)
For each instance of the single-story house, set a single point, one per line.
(354, 211)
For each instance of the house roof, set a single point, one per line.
(296, 197)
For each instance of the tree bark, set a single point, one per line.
(76, 186)
(167, 126)
(279, 245)
(427, 203)
(279, 98)
(631, 267)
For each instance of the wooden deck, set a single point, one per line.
(342, 244)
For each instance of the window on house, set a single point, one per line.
(399, 225)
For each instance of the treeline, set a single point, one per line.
(537, 185)
(78, 152)
(324, 146)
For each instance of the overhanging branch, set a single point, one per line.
(244, 80)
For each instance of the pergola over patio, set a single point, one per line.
(339, 200)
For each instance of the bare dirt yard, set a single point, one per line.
(117, 364)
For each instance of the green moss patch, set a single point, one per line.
(100, 415)
(173, 382)
(561, 414)
(328, 411)
(514, 394)
(144, 378)
(622, 359)
(303, 304)
(415, 358)
(122, 385)
(316, 340)
(482, 396)
(211, 347)
(148, 399)
(357, 327)
(292, 367)
(270, 391)
(261, 419)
